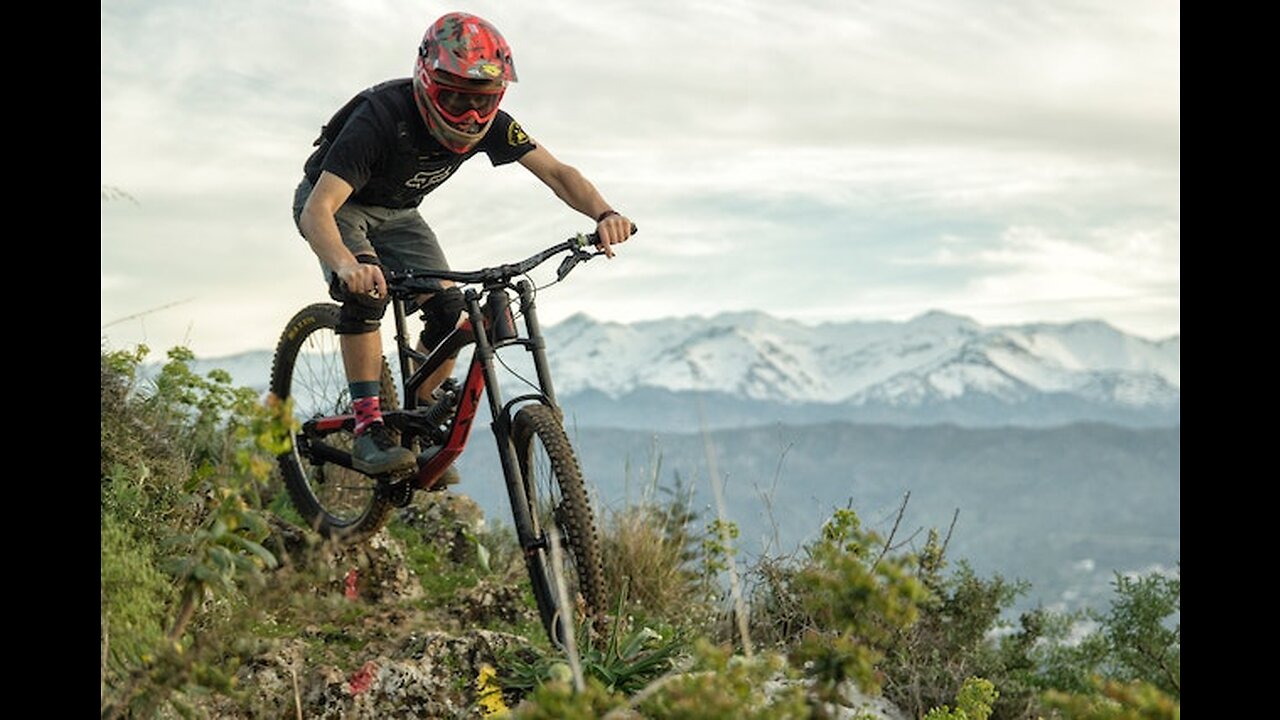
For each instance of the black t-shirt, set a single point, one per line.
(387, 154)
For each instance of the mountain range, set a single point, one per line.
(746, 368)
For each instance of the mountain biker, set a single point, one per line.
(357, 204)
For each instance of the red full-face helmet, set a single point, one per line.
(463, 67)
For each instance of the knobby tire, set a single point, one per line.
(555, 490)
(340, 504)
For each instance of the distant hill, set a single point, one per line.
(1063, 508)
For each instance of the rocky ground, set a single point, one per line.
(402, 654)
(388, 643)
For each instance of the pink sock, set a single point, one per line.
(368, 411)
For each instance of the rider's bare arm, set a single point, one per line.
(578, 193)
(321, 231)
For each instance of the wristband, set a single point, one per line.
(607, 213)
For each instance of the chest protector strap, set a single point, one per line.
(330, 130)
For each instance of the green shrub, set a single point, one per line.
(973, 702)
(135, 597)
(182, 527)
(843, 605)
(929, 662)
(720, 685)
(1143, 638)
(1131, 668)
(557, 700)
(655, 557)
(1114, 700)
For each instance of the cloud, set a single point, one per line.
(882, 155)
(1130, 270)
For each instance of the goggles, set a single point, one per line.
(457, 103)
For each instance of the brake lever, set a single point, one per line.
(578, 256)
(566, 265)
(580, 253)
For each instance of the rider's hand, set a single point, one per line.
(612, 229)
(363, 279)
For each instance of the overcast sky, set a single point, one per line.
(1008, 160)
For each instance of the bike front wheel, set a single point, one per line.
(339, 503)
(557, 494)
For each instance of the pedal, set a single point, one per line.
(450, 476)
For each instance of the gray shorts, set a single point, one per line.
(400, 239)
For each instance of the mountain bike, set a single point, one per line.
(543, 477)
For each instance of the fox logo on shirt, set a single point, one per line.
(429, 178)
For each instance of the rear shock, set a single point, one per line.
(441, 411)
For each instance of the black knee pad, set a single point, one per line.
(360, 313)
(439, 316)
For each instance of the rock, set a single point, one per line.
(854, 705)
(435, 677)
(491, 601)
(452, 521)
(375, 571)
(859, 706)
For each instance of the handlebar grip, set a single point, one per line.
(595, 237)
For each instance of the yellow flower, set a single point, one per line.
(488, 694)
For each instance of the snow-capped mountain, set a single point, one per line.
(935, 357)
(752, 368)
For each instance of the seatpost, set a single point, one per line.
(402, 350)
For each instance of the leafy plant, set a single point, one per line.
(556, 699)
(1133, 663)
(1143, 638)
(929, 662)
(629, 657)
(973, 702)
(720, 685)
(1115, 700)
(223, 439)
(852, 603)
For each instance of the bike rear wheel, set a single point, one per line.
(339, 503)
(556, 493)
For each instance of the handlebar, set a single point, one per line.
(428, 281)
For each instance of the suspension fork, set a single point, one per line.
(501, 426)
(537, 345)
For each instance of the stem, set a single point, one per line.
(185, 613)
(740, 606)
